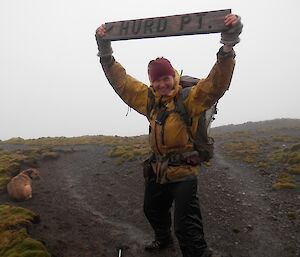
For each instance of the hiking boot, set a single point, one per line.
(157, 245)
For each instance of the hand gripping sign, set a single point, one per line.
(177, 25)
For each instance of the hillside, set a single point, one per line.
(90, 196)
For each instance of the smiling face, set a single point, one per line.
(161, 75)
(164, 85)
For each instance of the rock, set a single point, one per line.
(273, 217)
(249, 227)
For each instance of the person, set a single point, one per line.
(170, 140)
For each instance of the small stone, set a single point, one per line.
(273, 217)
(249, 227)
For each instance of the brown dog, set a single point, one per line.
(19, 188)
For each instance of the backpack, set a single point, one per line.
(203, 143)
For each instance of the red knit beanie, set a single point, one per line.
(160, 67)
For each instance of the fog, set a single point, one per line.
(51, 82)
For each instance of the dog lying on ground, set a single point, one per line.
(19, 188)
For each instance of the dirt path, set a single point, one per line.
(89, 206)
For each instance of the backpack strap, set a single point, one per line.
(150, 102)
(179, 106)
(202, 143)
(180, 109)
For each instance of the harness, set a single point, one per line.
(203, 144)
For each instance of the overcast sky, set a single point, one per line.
(51, 82)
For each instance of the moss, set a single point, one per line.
(295, 169)
(50, 155)
(263, 165)
(284, 181)
(14, 239)
(4, 179)
(120, 151)
(19, 244)
(11, 216)
(288, 157)
(129, 152)
(246, 150)
(293, 158)
(284, 185)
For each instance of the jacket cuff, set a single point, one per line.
(222, 56)
(107, 61)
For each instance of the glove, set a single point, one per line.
(104, 47)
(230, 37)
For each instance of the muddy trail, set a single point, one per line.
(90, 206)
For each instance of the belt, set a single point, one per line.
(176, 159)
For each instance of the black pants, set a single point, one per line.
(158, 200)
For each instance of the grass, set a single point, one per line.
(294, 169)
(127, 152)
(284, 181)
(245, 150)
(266, 149)
(12, 162)
(82, 140)
(123, 148)
(289, 156)
(14, 239)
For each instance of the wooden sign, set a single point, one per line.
(177, 25)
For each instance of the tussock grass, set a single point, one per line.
(129, 152)
(284, 185)
(290, 156)
(266, 149)
(14, 239)
(284, 181)
(50, 156)
(263, 165)
(247, 150)
(294, 169)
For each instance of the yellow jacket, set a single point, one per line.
(172, 137)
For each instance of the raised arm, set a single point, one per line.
(132, 92)
(209, 90)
